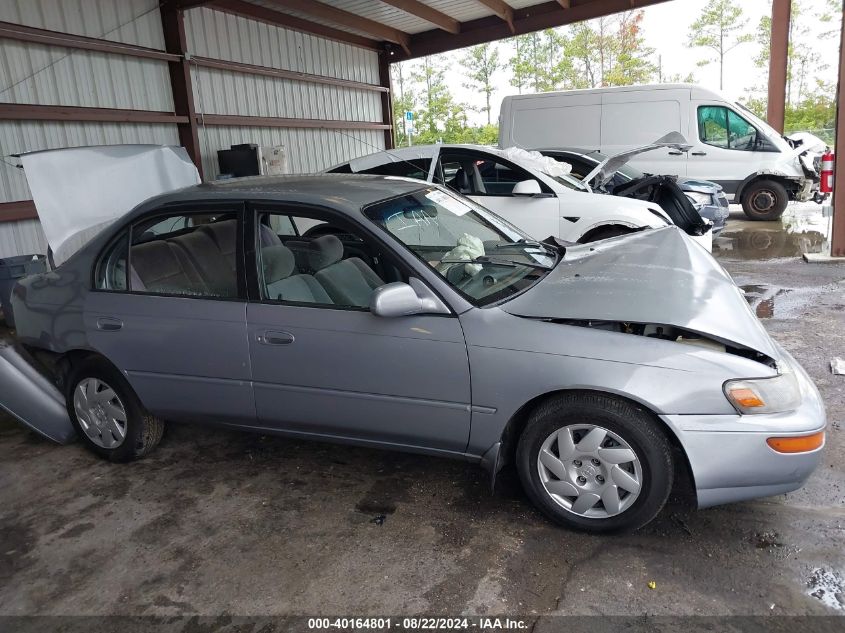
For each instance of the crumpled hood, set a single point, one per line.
(659, 276)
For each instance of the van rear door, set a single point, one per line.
(637, 117)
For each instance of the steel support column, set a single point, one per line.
(173, 26)
(778, 62)
(386, 97)
(837, 238)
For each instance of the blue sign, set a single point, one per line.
(409, 116)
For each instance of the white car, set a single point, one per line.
(531, 191)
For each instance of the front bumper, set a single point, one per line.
(730, 459)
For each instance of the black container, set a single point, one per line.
(12, 269)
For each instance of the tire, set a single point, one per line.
(100, 431)
(605, 233)
(626, 427)
(764, 200)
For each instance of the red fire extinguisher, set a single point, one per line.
(826, 184)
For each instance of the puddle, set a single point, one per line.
(828, 587)
(802, 229)
(763, 299)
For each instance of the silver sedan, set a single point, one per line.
(393, 313)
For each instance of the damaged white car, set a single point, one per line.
(532, 191)
(394, 313)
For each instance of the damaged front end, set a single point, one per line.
(31, 396)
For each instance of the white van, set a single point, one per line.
(730, 145)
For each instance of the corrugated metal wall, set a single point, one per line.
(35, 73)
(232, 38)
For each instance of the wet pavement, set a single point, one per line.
(218, 522)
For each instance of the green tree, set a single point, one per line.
(719, 28)
(803, 62)
(403, 101)
(480, 64)
(630, 59)
(439, 117)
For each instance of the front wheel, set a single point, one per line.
(107, 414)
(595, 463)
(765, 200)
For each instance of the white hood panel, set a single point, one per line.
(79, 190)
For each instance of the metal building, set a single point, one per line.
(312, 75)
(88, 72)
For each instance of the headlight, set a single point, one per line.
(699, 198)
(765, 395)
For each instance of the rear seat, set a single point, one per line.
(201, 262)
(161, 267)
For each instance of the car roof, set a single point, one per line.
(414, 152)
(348, 192)
(570, 150)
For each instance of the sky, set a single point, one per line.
(665, 28)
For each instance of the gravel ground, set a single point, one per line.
(217, 522)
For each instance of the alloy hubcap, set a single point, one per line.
(100, 413)
(590, 471)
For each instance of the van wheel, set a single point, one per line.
(595, 463)
(765, 200)
(604, 233)
(107, 414)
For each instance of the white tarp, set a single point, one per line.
(79, 190)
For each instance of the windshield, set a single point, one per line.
(757, 121)
(569, 181)
(476, 252)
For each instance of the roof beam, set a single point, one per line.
(36, 112)
(567, 4)
(281, 73)
(427, 13)
(284, 20)
(66, 40)
(345, 18)
(188, 4)
(236, 120)
(527, 20)
(17, 211)
(502, 9)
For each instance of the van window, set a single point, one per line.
(722, 127)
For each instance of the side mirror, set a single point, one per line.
(527, 188)
(399, 299)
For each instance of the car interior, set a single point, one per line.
(301, 260)
(322, 264)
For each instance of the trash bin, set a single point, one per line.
(12, 269)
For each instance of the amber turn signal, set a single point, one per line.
(799, 444)
(746, 398)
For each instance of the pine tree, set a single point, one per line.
(719, 28)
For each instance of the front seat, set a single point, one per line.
(278, 263)
(460, 182)
(349, 281)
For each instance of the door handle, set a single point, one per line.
(271, 337)
(676, 153)
(109, 324)
(699, 153)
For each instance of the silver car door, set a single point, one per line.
(324, 365)
(177, 329)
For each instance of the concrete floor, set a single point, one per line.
(218, 522)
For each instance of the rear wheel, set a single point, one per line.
(595, 463)
(107, 414)
(764, 200)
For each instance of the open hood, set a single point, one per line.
(805, 142)
(659, 277)
(604, 171)
(79, 190)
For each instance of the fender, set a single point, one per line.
(763, 173)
